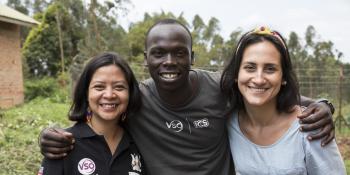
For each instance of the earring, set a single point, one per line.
(284, 83)
(88, 115)
(123, 116)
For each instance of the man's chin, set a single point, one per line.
(169, 85)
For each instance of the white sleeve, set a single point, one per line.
(323, 160)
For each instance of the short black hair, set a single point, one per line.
(168, 21)
(288, 95)
(78, 110)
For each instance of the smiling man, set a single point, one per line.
(181, 126)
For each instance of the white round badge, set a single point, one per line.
(86, 166)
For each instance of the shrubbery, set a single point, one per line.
(57, 90)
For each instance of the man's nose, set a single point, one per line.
(170, 59)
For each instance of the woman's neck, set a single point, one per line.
(264, 125)
(111, 131)
(264, 115)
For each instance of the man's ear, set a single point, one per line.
(145, 58)
(192, 58)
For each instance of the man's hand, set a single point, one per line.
(55, 143)
(318, 116)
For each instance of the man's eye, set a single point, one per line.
(180, 53)
(157, 53)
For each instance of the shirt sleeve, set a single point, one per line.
(51, 167)
(323, 160)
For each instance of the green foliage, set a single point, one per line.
(347, 166)
(19, 131)
(102, 32)
(141, 72)
(17, 5)
(47, 87)
(137, 34)
(41, 48)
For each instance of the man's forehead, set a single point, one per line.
(168, 33)
(168, 28)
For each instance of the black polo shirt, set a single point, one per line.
(91, 156)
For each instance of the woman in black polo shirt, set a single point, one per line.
(105, 94)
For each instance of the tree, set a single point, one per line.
(19, 6)
(197, 29)
(137, 34)
(230, 45)
(41, 48)
(298, 55)
(99, 32)
(211, 29)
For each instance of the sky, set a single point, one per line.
(330, 18)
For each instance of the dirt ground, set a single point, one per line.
(344, 147)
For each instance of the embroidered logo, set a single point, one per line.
(176, 125)
(41, 171)
(203, 123)
(135, 162)
(86, 166)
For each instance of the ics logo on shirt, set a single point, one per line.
(203, 123)
(86, 166)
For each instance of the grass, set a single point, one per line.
(347, 165)
(19, 130)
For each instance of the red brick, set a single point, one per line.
(11, 76)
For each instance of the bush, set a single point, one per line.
(46, 87)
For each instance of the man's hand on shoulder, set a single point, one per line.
(318, 115)
(55, 143)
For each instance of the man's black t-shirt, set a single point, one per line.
(190, 139)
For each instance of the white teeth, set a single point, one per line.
(258, 89)
(169, 75)
(109, 106)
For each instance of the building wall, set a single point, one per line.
(11, 76)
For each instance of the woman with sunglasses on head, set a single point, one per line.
(264, 130)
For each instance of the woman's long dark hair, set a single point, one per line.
(78, 110)
(287, 97)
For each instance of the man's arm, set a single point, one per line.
(55, 143)
(306, 101)
(318, 115)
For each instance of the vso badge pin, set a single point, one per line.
(86, 166)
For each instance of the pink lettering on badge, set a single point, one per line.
(86, 166)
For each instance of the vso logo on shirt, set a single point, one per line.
(175, 125)
(86, 166)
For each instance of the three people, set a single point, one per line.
(264, 130)
(181, 125)
(105, 94)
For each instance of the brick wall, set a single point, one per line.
(11, 78)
